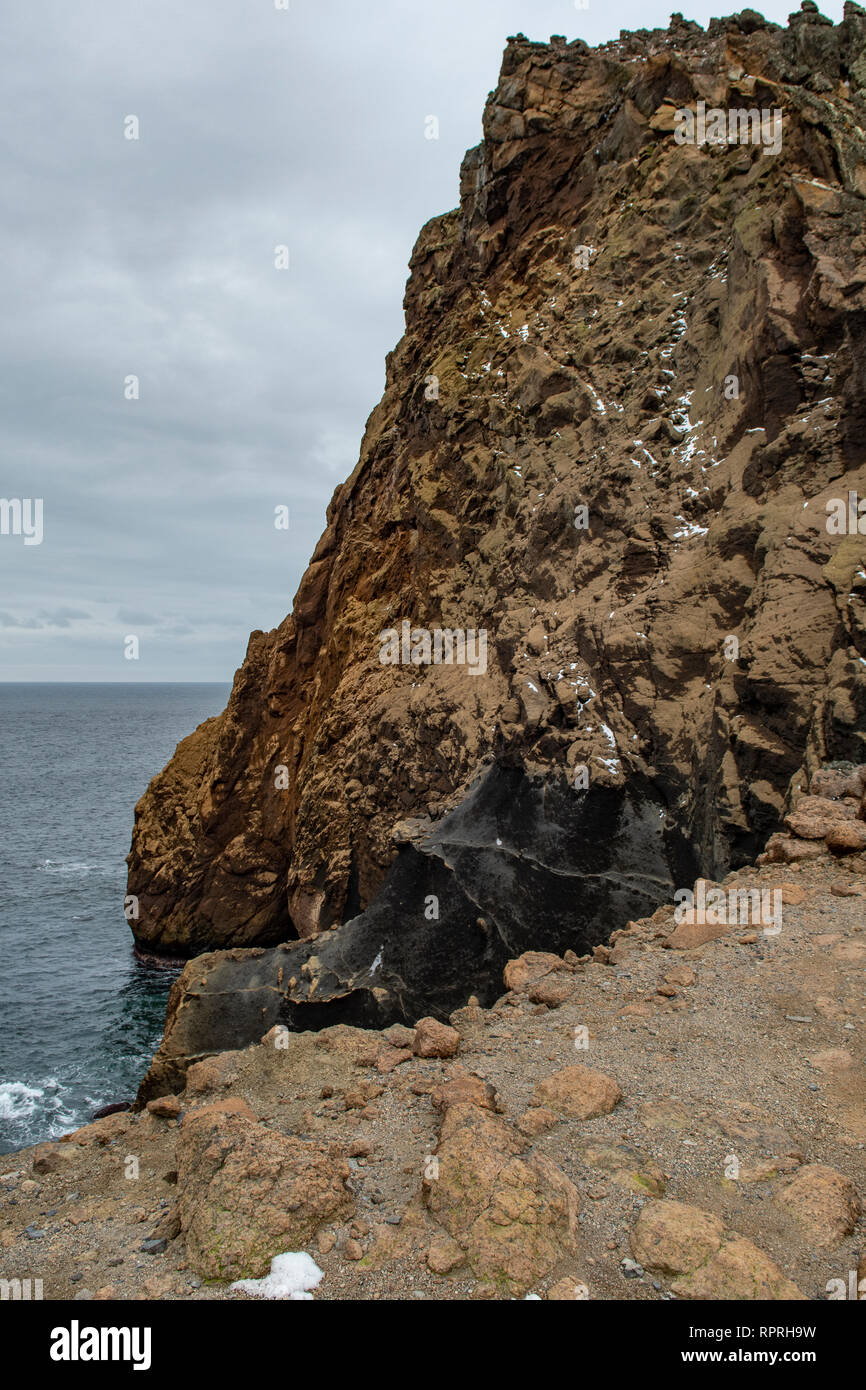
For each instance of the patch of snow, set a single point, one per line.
(292, 1276)
(612, 764)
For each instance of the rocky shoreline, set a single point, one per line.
(676, 1114)
(613, 439)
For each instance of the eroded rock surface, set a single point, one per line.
(407, 1175)
(584, 314)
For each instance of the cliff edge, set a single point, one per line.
(627, 407)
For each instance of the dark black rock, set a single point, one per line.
(114, 1109)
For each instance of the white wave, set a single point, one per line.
(18, 1101)
(73, 866)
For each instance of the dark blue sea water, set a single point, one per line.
(79, 1015)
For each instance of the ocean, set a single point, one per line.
(80, 1016)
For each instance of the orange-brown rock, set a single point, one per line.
(513, 1217)
(248, 1193)
(464, 1089)
(667, 336)
(530, 967)
(580, 1092)
(706, 1260)
(435, 1039)
(823, 1201)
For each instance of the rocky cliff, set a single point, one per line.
(631, 384)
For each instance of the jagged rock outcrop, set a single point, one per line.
(668, 336)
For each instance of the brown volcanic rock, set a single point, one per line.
(515, 1218)
(565, 378)
(709, 1261)
(580, 1092)
(248, 1193)
(824, 1201)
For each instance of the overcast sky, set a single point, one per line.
(154, 258)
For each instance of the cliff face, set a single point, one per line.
(631, 380)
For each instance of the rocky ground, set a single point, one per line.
(678, 1115)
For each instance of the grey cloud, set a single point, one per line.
(155, 258)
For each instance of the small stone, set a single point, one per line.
(435, 1039)
(568, 1291)
(792, 894)
(537, 1120)
(532, 965)
(353, 1250)
(848, 837)
(154, 1246)
(681, 975)
(552, 991)
(400, 1036)
(166, 1107)
(391, 1058)
(444, 1255)
(463, 1089)
(579, 1092)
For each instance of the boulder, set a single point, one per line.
(823, 1201)
(514, 1217)
(579, 1092)
(248, 1193)
(704, 1259)
(435, 1039)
